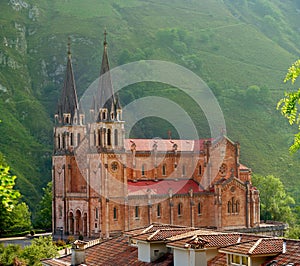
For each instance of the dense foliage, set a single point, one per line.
(41, 248)
(275, 203)
(14, 214)
(290, 103)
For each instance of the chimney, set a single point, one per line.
(284, 246)
(78, 253)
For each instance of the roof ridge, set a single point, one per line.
(255, 245)
(155, 233)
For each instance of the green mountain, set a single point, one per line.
(241, 49)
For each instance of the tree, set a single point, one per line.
(44, 213)
(289, 104)
(41, 248)
(275, 202)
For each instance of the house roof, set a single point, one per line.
(262, 246)
(162, 234)
(112, 252)
(291, 255)
(162, 187)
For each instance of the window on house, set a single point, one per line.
(179, 209)
(115, 213)
(103, 115)
(233, 206)
(64, 141)
(99, 137)
(164, 169)
(116, 137)
(158, 210)
(136, 211)
(95, 138)
(199, 208)
(143, 169)
(58, 141)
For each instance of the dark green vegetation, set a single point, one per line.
(241, 49)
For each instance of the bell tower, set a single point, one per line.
(107, 128)
(69, 131)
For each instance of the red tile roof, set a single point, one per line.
(292, 254)
(162, 187)
(162, 234)
(113, 252)
(164, 145)
(262, 246)
(219, 260)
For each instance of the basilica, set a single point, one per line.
(104, 183)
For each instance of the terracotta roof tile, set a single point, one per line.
(113, 252)
(219, 260)
(260, 247)
(292, 254)
(162, 187)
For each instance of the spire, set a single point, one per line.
(67, 106)
(105, 94)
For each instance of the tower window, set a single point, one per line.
(183, 170)
(164, 169)
(95, 137)
(136, 212)
(158, 210)
(78, 138)
(116, 137)
(99, 137)
(115, 213)
(200, 170)
(71, 139)
(109, 137)
(179, 209)
(143, 169)
(199, 208)
(96, 213)
(58, 141)
(103, 113)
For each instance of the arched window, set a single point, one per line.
(95, 138)
(64, 141)
(103, 115)
(136, 211)
(200, 170)
(164, 169)
(179, 209)
(229, 206)
(143, 169)
(96, 213)
(115, 211)
(237, 206)
(199, 208)
(108, 137)
(183, 170)
(158, 210)
(58, 141)
(116, 137)
(99, 137)
(233, 205)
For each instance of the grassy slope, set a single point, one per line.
(226, 44)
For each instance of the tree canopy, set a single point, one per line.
(290, 103)
(275, 202)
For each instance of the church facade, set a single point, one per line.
(104, 183)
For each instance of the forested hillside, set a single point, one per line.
(241, 49)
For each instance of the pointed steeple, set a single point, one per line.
(67, 107)
(105, 96)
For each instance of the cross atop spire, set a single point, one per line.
(69, 47)
(105, 33)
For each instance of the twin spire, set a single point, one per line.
(105, 107)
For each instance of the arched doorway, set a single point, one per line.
(71, 223)
(85, 224)
(78, 223)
